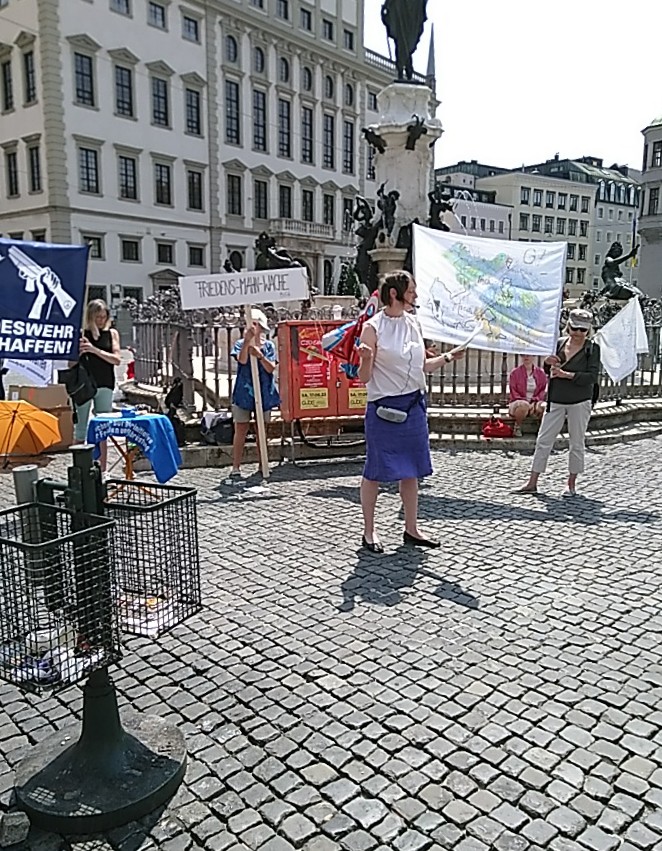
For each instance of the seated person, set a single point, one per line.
(528, 390)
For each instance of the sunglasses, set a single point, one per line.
(577, 328)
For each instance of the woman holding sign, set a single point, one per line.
(393, 364)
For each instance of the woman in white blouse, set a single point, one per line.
(393, 366)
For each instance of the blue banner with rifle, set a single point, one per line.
(42, 291)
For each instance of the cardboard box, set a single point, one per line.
(65, 420)
(45, 398)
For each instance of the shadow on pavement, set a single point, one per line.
(381, 579)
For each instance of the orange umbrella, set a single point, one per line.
(26, 430)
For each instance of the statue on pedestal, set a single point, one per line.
(388, 203)
(374, 139)
(439, 204)
(615, 285)
(269, 256)
(414, 132)
(367, 232)
(404, 21)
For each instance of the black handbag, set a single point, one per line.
(78, 382)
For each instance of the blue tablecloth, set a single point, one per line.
(153, 434)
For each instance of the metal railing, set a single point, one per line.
(200, 355)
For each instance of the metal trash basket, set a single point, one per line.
(155, 550)
(58, 620)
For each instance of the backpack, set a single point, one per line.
(496, 427)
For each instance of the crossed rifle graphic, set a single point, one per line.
(41, 280)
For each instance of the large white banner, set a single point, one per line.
(233, 288)
(505, 296)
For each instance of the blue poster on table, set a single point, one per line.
(42, 290)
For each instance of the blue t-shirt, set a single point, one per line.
(242, 395)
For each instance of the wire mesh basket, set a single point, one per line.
(156, 554)
(58, 619)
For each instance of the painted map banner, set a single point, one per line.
(506, 295)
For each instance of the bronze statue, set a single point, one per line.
(439, 204)
(374, 140)
(228, 267)
(269, 256)
(367, 233)
(414, 132)
(388, 203)
(615, 285)
(404, 21)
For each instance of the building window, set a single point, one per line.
(258, 60)
(550, 197)
(259, 4)
(156, 15)
(656, 157)
(492, 226)
(88, 170)
(130, 249)
(283, 70)
(232, 134)
(235, 205)
(370, 165)
(128, 178)
(653, 201)
(231, 49)
(11, 170)
(574, 203)
(328, 141)
(572, 227)
(165, 253)
(348, 147)
(121, 6)
(472, 226)
(7, 87)
(537, 197)
(307, 203)
(571, 251)
(581, 274)
(285, 202)
(283, 9)
(84, 79)
(348, 40)
(307, 79)
(560, 226)
(549, 224)
(327, 29)
(284, 128)
(190, 28)
(372, 106)
(597, 259)
(29, 77)
(329, 210)
(306, 134)
(601, 212)
(482, 225)
(586, 204)
(347, 213)
(582, 252)
(123, 91)
(193, 112)
(569, 275)
(583, 229)
(160, 105)
(306, 20)
(536, 222)
(349, 94)
(328, 277)
(96, 245)
(194, 189)
(525, 195)
(260, 199)
(163, 184)
(196, 255)
(34, 164)
(259, 120)
(328, 87)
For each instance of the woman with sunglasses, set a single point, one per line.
(573, 371)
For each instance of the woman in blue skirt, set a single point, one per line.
(393, 366)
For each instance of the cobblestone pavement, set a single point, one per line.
(502, 692)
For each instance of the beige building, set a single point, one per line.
(169, 135)
(650, 220)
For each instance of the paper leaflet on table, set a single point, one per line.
(343, 342)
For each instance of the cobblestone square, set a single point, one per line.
(502, 692)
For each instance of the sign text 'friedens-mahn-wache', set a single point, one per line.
(233, 288)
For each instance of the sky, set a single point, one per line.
(520, 81)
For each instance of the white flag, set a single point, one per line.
(621, 340)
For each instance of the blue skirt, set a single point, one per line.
(396, 451)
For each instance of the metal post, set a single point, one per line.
(25, 478)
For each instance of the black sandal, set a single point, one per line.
(374, 547)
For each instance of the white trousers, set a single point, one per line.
(578, 416)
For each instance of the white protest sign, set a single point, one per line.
(225, 290)
(38, 371)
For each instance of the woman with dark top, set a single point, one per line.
(100, 354)
(393, 365)
(574, 373)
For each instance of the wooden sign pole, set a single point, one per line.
(257, 392)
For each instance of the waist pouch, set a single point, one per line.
(395, 415)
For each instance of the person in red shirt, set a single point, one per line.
(528, 391)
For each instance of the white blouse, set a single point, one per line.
(399, 358)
